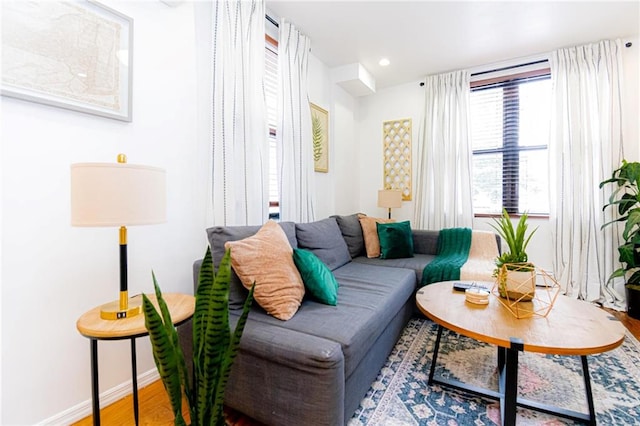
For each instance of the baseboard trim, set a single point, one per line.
(82, 410)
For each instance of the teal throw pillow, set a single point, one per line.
(316, 276)
(396, 240)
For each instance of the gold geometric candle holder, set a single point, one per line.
(524, 303)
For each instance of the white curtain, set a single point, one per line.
(443, 187)
(585, 147)
(231, 114)
(295, 156)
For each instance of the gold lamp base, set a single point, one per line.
(115, 311)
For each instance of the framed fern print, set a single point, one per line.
(320, 138)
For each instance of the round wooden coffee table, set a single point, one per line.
(572, 327)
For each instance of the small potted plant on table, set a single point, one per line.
(515, 275)
(626, 200)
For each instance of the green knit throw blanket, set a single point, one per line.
(453, 252)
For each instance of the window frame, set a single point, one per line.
(509, 79)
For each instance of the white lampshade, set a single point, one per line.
(117, 194)
(389, 198)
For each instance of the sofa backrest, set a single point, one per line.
(219, 235)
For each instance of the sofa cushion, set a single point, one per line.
(416, 263)
(396, 240)
(318, 280)
(219, 235)
(266, 259)
(352, 233)
(325, 240)
(370, 296)
(370, 233)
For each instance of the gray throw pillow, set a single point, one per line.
(218, 235)
(325, 240)
(352, 233)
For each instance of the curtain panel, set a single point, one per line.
(232, 109)
(585, 147)
(294, 144)
(443, 186)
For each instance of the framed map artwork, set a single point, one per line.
(73, 55)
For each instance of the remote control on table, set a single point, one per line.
(458, 286)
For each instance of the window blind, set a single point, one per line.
(271, 95)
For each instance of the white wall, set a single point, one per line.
(406, 101)
(51, 272)
(337, 190)
(399, 102)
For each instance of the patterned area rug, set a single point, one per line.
(400, 395)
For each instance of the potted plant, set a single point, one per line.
(626, 200)
(514, 273)
(214, 347)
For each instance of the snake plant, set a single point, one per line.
(214, 346)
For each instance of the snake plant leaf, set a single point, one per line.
(214, 333)
(173, 335)
(164, 356)
(214, 347)
(230, 356)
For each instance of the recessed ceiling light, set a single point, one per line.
(384, 62)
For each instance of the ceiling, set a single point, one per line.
(428, 37)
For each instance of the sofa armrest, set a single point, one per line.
(196, 272)
(300, 377)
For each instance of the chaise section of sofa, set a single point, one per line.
(316, 367)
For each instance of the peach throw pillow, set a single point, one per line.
(370, 234)
(266, 258)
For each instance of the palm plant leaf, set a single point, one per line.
(632, 224)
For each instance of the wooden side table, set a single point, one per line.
(95, 328)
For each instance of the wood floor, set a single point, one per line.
(155, 408)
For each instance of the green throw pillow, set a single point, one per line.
(396, 240)
(317, 277)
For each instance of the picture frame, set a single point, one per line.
(320, 138)
(72, 55)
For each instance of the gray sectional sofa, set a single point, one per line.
(315, 368)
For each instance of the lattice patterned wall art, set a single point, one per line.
(396, 156)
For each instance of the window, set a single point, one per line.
(509, 135)
(271, 95)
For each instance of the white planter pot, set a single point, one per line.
(517, 281)
(521, 285)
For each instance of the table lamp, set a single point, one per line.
(389, 199)
(118, 194)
